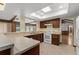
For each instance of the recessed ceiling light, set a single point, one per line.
(46, 9)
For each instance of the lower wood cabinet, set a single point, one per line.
(5, 52)
(55, 39)
(34, 51)
(65, 35)
(37, 37)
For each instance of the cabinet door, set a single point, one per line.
(39, 37)
(42, 24)
(36, 37)
(56, 23)
(55, 39)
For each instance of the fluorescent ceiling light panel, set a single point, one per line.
(46, 9)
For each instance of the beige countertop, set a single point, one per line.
(27, 33)
(22, 33)
(22, 44)
(5, 43)
(18, 44)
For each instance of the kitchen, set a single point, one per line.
(38, 35)
(23, 35)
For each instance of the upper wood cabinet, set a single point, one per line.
(55, 23)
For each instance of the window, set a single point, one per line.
(30, 28)
(17, 27)
(27, 29)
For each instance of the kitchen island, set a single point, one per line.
(25, 46)
(19, 45)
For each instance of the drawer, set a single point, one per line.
(55, 36)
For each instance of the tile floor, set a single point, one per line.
(49, 49)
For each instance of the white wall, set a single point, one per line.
(76, 33)
(77, 30)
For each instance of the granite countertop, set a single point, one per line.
(27, 33)
(22, 33)
(18, 44)
(22, 44)
(5, 43)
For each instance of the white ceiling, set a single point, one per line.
(73, 11)
(26, 9)
(12, 9)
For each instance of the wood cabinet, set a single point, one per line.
(55, 39)
(65, 35)
(55, 23)
(36, 37)
(33, 51)
(65, 32)
(42, 24)
(6, 52)
(13, 27)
